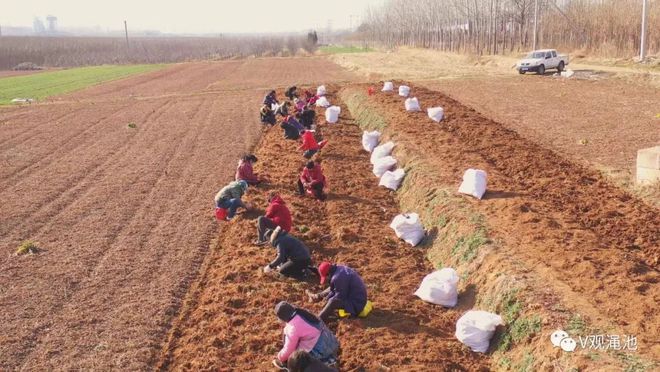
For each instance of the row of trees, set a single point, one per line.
(601, 27)
(84, 51)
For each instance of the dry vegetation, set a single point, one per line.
(85, 51)
(601, 27)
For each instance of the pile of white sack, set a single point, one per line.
(370, 140)
(392, 179)
(332, 114)
(440, 288)
(474, 183)
(475, 329)
(322, 102)
(408, 227)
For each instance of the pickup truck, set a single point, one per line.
(542, 60)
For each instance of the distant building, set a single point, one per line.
(52, 24)
(38, 26)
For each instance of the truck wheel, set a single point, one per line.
(560, 68)
(541, 70)
(521, 72)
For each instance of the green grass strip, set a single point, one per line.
(50, 83)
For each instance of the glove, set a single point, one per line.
(267, 269)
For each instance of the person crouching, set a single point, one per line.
(346, 291)
(312, 181)
(245, 171)
(293, 259)
(277, 214)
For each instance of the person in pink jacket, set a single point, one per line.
(304, 331)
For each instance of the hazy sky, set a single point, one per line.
(189, 16)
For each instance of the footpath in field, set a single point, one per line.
(589, 243)
(228, 323)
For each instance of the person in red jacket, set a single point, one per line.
(312, 180)
(309, 144)
(245, 171)
(277, 214)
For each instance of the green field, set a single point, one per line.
(339, 49)
(46, 84)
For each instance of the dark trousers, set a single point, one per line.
(264, 223)
(330, 309)
(317, 190)
(295, 268)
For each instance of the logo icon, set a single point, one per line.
(560, 338)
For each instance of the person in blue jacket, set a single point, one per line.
(346, 291)
(293, 258)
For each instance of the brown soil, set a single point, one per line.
(122, 215)
(9, 73)
(601, 122)
(584, 238)
(228, 321)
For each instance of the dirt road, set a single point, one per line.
(122, 215)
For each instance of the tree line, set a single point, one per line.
(598, 27)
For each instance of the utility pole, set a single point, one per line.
(126, 32)
(536, 21)
(642, 47)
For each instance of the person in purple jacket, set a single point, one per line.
(346, 291)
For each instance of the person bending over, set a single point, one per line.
(312, 181)
(230, 197)
(267, 115)
(271, 99)
(293, 259)
(304, 331)
(277, 214)
(245, 171)
(346, 291)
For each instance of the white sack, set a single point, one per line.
(388, 86)
(322, 102)
(440, 288)
(320, 91)
(567, 73)
(392, 180)
(383, 165)
(404, 90)
(274, 107)
(409, 228)
(412, 104)
(370, 140)
(475, 329)
(436, 113)
(381, 150)
(332, 114)
(474, 183)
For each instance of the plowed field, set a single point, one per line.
(122, 215)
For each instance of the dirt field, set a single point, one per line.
(228, 323)
(601, 122)
(575, 232)
(122, 215)
(603, 117)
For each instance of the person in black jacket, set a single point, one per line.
(301, 361)
(306, 117)
(293, 259)
(267, 115)
(291, 93)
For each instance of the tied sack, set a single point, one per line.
(388, 86)
(381, 151)
(322, 102)
(332, 114)
(436, 113)
(475, 329)
(392, 180)
(412, 104)
(404, 90)
(440, 288)
(370, 140)
(320, 91)
(409, 228)
(383, 165)
(474, 183)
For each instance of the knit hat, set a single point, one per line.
(324, 271)
(285, 311)
(243, 184)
